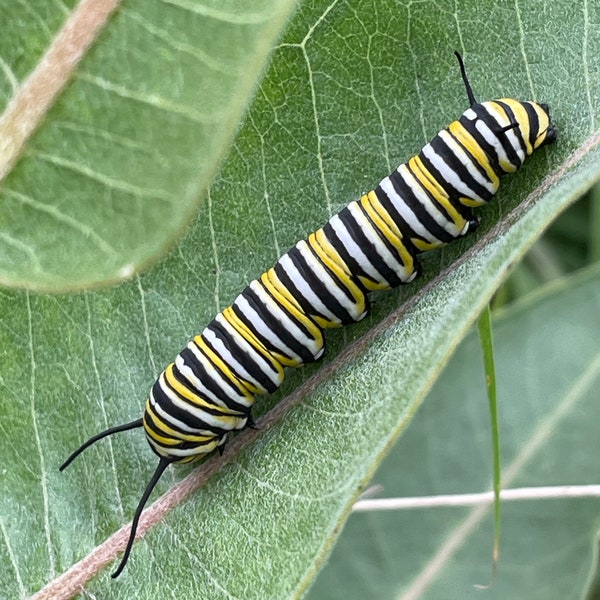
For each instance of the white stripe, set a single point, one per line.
(199, 413)
(501, 119)
(330, 282)
(314, 346)
(261, 327)
(402, 207)
(355, 251)
(189, 375)
(431, 207)
(388, 258)
(236, 366)
(492, 139)
(466, 160)
(169, 451)
(448, 173)
(303, 288)
(170, 420)
(201, 390)
(215, 374)
(253, 355)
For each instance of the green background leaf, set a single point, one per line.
(116, 170)
(352, 90)
(548, 365)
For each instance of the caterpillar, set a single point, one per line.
(324, 281)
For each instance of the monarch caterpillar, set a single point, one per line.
(324, 281)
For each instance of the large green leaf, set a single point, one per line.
(121, 157)
(548, 363)
(353, 89)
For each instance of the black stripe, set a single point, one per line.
(149, 423)
(517, 131)
(398, 219)
(534, 122)
(454, 194)
(321, 286)
(488, 149)
(247, 360)
(228, 410)
(357, 233)
(384, 239)
(275, 326)
(348, 259)
(473, 184)
(474, 161)
(167, 405)
(194, 445)
(316, 285)
(212, 386)
(490, 121)
(403, 189)
(217, 411)
(339, 283)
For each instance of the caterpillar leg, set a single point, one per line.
(250, 422)
(473, 225)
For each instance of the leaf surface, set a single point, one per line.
(353, 89)
(548, 366)
(121, 157)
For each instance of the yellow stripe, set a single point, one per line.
(371, 200)
(522, 118)
(544, 123)
(199, 453)
(423, 245)
(372, 285)
(244, 387)
(193, 397)
(192, 457)
(371, 204)
(242, 329)
(283, 297)
(326, 246)
(377, 220)
(327, 253)
(324, 322)
(286, 361)
(470, 203)
(177, 436)
(426, 180)
(163, 441)
(275, 358)
(475, 150)
(329, 256)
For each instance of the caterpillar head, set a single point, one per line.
(507, 130)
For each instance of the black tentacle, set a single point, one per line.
(125, 427)
(163, 463)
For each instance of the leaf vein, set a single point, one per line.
(36, 434)
(12, 558)
(167, 38)
(151, 99)
(23, 247)
(110, 182)
(249, 18)
(53, 211)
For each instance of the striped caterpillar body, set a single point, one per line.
(324, 281)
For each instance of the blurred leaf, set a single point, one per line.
(353, 89)
(116, 170)
(548, 368)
